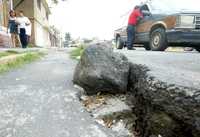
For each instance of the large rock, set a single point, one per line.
(164, 109)
(102, 70)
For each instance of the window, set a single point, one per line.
(39, 4)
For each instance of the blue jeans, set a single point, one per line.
(130, 36)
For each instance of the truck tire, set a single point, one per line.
(198, 49)
(158, 40)
(146, 46)
(119, 43)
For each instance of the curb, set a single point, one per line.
(9, 58)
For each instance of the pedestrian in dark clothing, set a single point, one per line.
(23, 37)
(132, 22)
(23, 22)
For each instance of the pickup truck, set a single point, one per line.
(156, 31)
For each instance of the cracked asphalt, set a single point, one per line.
(177, 68)
(39, 100)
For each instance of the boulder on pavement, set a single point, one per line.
(102, 70)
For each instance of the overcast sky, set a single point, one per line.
(99, 18)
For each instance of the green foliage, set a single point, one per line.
(56, 1)
(87, 40)
(76, 53)
(30, 45)
(12, 52)
(67, 39)
(19, 61)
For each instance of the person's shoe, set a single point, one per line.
(131, 48)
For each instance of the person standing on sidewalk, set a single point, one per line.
(12, 27)
(23, 22)
(132, 22)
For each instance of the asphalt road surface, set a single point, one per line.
(39, 100)
(179, 68)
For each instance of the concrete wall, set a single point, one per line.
(26, 6)
(5, 39)
(41, 25)
(40, 14)
(1, 12)
(41, 35)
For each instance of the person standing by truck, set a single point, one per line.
(132, 22)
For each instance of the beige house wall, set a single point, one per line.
(41, 25)
(25, 5)
(5, 39)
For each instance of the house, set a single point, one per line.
(38, 12)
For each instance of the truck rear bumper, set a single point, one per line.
(184, 37)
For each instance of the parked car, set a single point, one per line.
(156, 31)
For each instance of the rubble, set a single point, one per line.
(112, 112)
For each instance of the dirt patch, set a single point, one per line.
(112, 111)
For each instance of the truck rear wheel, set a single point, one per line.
(158, 40)
(119, 43)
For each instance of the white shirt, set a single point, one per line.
(12, 18)
(23, 21)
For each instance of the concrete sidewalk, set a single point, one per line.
(39, 100)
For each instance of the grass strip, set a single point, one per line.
(8, 53)
(21, 60)
(76, 53)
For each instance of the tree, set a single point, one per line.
(56, 1)
(86, 41)
(67, 36)
(67, 39)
